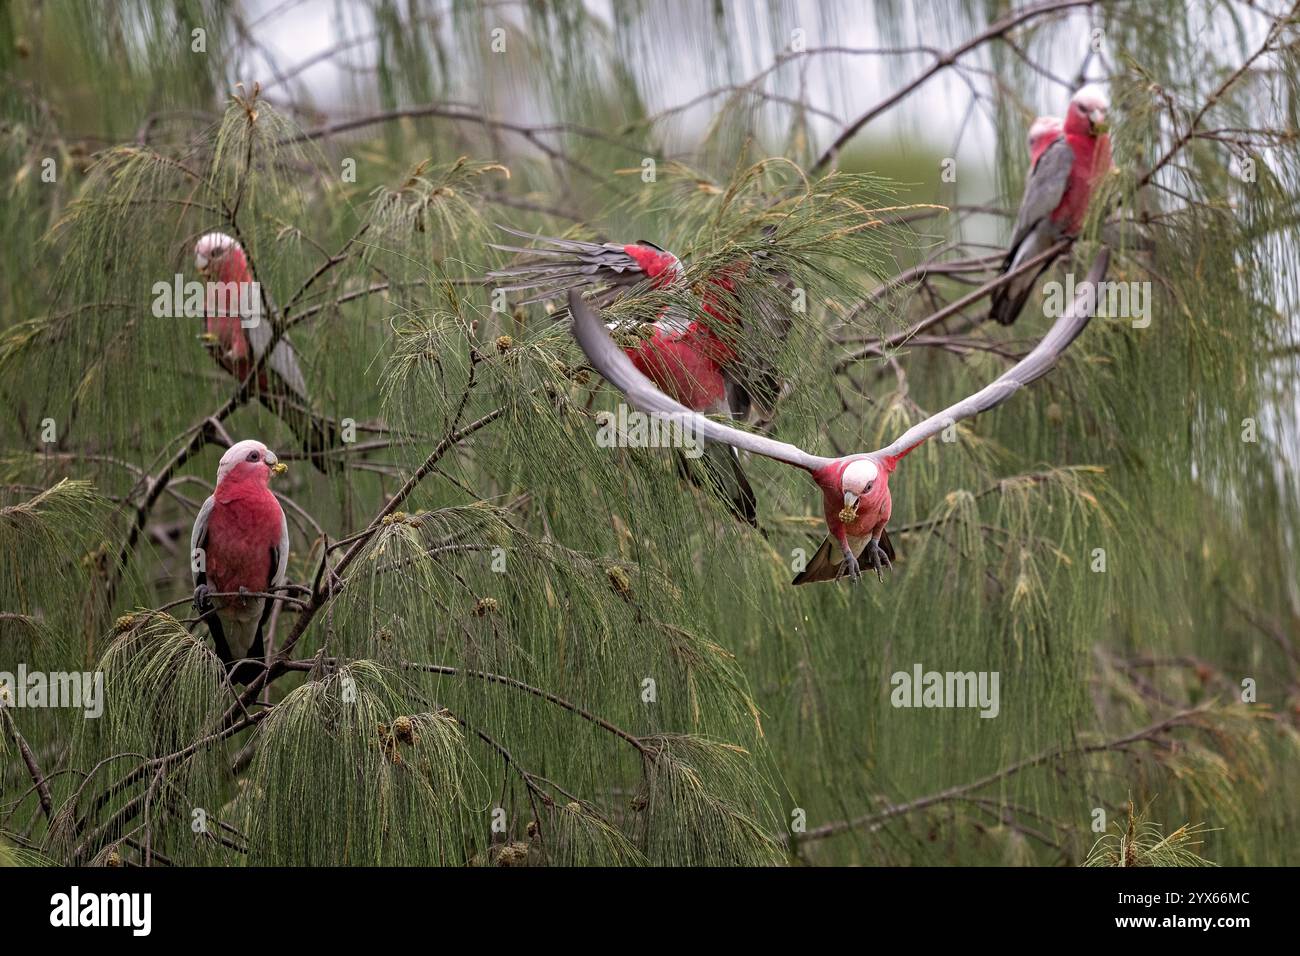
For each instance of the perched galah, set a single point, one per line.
(855, 487)
(238, 343)
(1065, 169)
(1044, 131)
(686, 357)
(240, 543)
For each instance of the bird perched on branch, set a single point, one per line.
(1067, 162)
(691, 359)
(240, 547)
(238, 343)
(855, 488)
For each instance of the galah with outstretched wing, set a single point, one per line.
(281, 387)
(855, 488)
(687, 358)
(1062, 177)
(240, 543)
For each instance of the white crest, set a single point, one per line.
(858, 475)
(211, 246)
(1091, 97)
(240, 451)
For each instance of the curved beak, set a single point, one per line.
(277, 466)
(1098, 120)
(201, 265)
(850, 499)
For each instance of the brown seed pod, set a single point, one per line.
(404, 730)
(619, 580)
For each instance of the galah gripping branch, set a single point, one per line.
(280, 386)
(1067, 160)
(240, 547)
(855, 488)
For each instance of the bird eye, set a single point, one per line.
(869, 484)
(253, 456)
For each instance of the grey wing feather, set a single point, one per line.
(1044, 189)
(572, 263)
(1032, 367)
(614, 365)
(282, 552)
(199, 536)
(284, 361)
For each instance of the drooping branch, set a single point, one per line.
(875, 820)
(942, 62)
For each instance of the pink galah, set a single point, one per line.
(238, 342)
(239, 547)
(1062, 177)
(855, 488)
(686, 357)
(1044, 131)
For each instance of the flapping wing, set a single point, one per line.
(566, 264)
(1043, 190)
(199, 539)
(610, 361)
(1033, 366)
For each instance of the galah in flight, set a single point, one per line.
(855, 488)
(219, 259)
(1065, 168)
(240, 543)
(684, 356)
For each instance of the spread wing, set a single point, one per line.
(1043, 190)
(610, 361)
(1033, 366)
(199, 539)
(567, 264)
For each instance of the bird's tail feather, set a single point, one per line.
(828, 563)
(316, 435)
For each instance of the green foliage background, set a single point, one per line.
(426, 689)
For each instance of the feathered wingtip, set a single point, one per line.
(566, 264)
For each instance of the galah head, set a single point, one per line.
(1088, 111)
(857, 480)
(1043, 130)
(211, 252)
(249, 459)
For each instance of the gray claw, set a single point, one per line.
(201, 600)
(878, 559)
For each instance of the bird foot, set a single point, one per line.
(878, 560)
(851, 569)
(201, 600)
